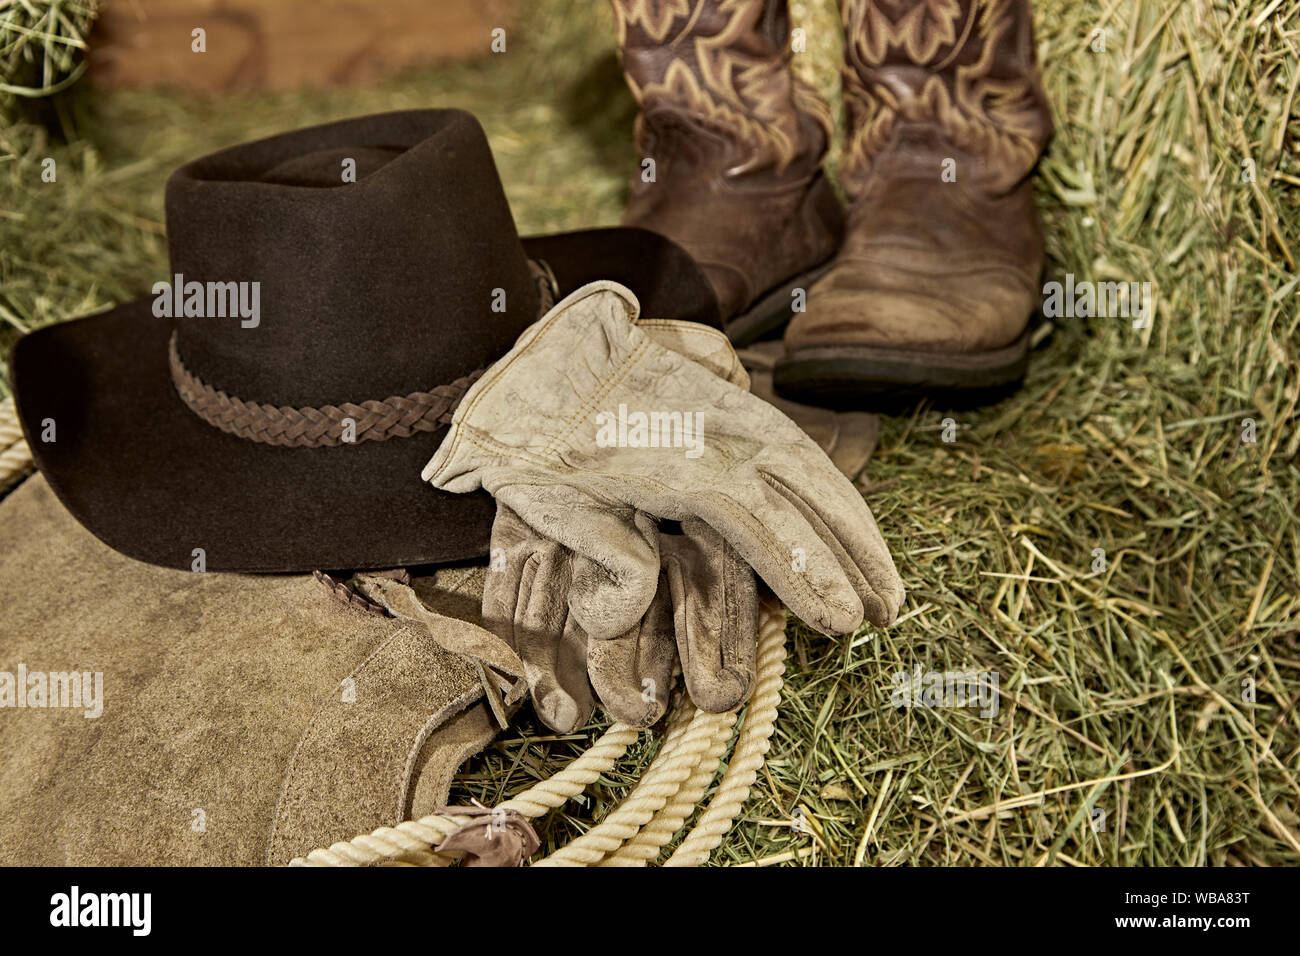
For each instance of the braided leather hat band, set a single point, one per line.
(315, 427)
(308, 426)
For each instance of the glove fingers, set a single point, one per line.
(609, 597)
(615, 552)
(844, 522)
(562, 695)
(513, 543)
(554, 651)
(788, 554)
(715, 610)
(632, 674)
(524, 604)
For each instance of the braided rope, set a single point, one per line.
(683, 748)
(15, 456)
(665, 824)
(10, 430)
(751, 746)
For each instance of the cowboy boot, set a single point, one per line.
(737, 143)
(939, 273)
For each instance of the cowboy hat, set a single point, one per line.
(333, 291)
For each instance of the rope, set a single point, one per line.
(665, 824)
(684, 748)
(15, 456)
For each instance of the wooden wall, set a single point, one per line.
(278, 44)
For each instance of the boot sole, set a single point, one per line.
(865, 377)
(771, 311)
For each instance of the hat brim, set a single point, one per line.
(155, 482)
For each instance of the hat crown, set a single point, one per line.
(372, 257)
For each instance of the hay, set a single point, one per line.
(1121, 689)
(42, 47)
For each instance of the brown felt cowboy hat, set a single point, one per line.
(333, 292)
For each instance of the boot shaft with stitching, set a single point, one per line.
(737, 142)
(930, 80)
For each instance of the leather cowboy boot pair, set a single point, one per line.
(938, 273)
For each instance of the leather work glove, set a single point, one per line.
(558, 430)
(704, 611)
